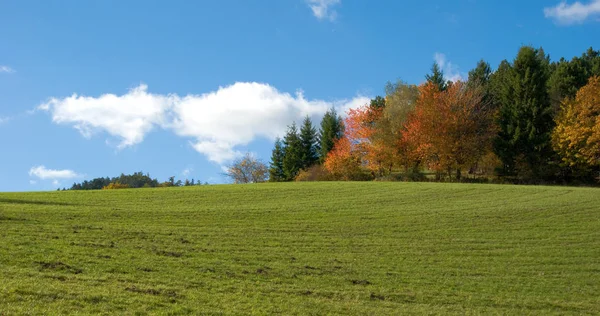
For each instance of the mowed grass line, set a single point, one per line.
(303, 248)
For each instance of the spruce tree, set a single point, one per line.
(437, 77)
(480, 78)
(525, 117)
(332, 128)
(308, 138)
(292, 159)
(276, 173)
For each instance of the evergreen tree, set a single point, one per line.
(480, 78)
(276, 173)
(498, 80)
(567, 77)
(437, 77)
(332, 128)
(292, 159)
(525, 117)
(481, 74)
(308, 138)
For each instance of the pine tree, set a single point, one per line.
(292, 159)
(480, 78)
(437, 77)
(308, 138)
(525, 117)
(332, 128)
(276, 173)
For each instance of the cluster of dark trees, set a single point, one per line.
(135, 180)
(299, 150)
(528, 94)
(524, 101)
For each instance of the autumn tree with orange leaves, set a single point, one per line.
(450, 130)
(353, 151)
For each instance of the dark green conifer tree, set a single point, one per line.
(332, 128)
(292, 159)
(276, 173)
(309, 140)
(437, 77)
(525, 116)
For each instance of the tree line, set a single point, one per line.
(531, 120)
(133, 181)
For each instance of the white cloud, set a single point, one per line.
(43, 173)
(186, 172)
(129, 117)
(450, 70)
(322, 9)
(4, 119)
(6, 69)
(32, 182)
(238, 114)
(218, 123)
(577, 12)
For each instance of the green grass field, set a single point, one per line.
(303, 248)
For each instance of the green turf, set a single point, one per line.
(303, 248)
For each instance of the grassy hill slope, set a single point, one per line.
(300, 248)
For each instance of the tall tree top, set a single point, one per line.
(437, 77)
(481, 74)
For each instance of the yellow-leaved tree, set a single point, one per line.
(577, 134)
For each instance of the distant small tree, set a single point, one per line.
(248, 169)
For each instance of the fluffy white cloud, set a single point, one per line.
(238, 114)
(128, 117)
(577, 12)
(450, 70)
(43, 173)
(217, 123)
(322, 9)
(6, 69)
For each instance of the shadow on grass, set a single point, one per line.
(16, 201)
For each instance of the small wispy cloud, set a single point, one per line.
(186, 172)
(450, 70)
(4, 119)
(43, 173)
(322, 9)
(577, 12)
(6, 69)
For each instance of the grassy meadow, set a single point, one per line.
(302, 248)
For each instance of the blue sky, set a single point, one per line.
(179, 88)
